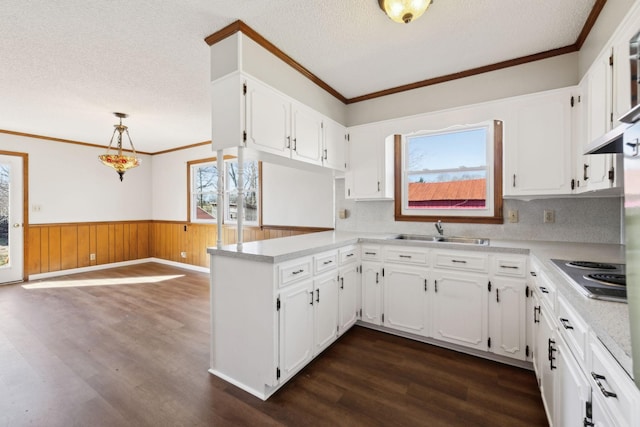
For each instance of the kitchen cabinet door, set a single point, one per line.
(538, 158)
(405, 298)
(369, 172)
(546, 357)
(573, 392)
(507, 317)
(372, 292)
(349, 285)
(306, 134)
(296, 328)
(334, 154)
(267, 119)
(325, 308)
(459, 308)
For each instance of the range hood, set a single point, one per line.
(611, 142)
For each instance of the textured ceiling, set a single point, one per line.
(66, 65)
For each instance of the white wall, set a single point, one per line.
(292, 197)
(296, 197)
(70, 184)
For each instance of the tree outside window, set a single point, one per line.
(204, 192)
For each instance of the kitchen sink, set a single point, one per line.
(443, 239)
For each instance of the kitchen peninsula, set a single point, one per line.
(276, 304)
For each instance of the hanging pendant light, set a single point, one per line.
(404, 11)
(120, 162)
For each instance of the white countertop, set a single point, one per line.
(609, 320)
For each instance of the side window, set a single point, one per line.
(453, 174)
(203, 198)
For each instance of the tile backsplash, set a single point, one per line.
(577, 219)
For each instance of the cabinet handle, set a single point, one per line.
(497, 295)
(425, 285)
(552, 349)
(544, 290)
(584, 173)
(342, 283)
(405, 256)
(317, 295)
(370, 253)
(297, 272)
(514, 180)
(513, 267)
(435, 283)
(327, 262)
(459, 261)
(288, 142)
(597, 378)
(536, 319)
(350, 255)
(377, 275)
(565, 323)
(325, 154)
(378, 185)
(295, 144)
(311, 303)
(533, 273)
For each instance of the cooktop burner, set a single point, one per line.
(606, 281)
(590, 265)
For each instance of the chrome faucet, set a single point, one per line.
(439, 227)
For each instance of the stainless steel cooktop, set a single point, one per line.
(605, 281)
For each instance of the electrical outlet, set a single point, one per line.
(549, 216)
(183, 254)
(513, 215)
(92, 257)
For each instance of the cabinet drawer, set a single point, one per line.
(512, 266)
(348, 255)
(607, 379)
(406, 255)
(462, 261)
(546, 289)
(325, 261)
(573, 328)
(292, 271)
(371, 253)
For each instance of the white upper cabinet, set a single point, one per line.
(537, 145)
(335, 137)
(248, 112)
(369, 172)
(268, 119)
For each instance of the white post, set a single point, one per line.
(240, 194)
(220, 205)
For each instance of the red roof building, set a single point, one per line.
(467, 194)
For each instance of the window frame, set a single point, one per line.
(497, 202)
(225, 220)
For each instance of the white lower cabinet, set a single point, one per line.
(572, 391)
(349, 292)
(372, 292)
(325, 311)
(296, 328)
(405, 299)
(507, 317)
(460, 308)
(546, 357)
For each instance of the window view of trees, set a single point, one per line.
(205, 191)
(4, 214)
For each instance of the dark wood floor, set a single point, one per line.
(131, 349)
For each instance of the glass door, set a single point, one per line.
(11, 219)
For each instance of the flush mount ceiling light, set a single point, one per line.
(404, 11)
(120, 162)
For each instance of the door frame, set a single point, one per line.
(25, 205)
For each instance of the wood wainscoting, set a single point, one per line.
(55, 247)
